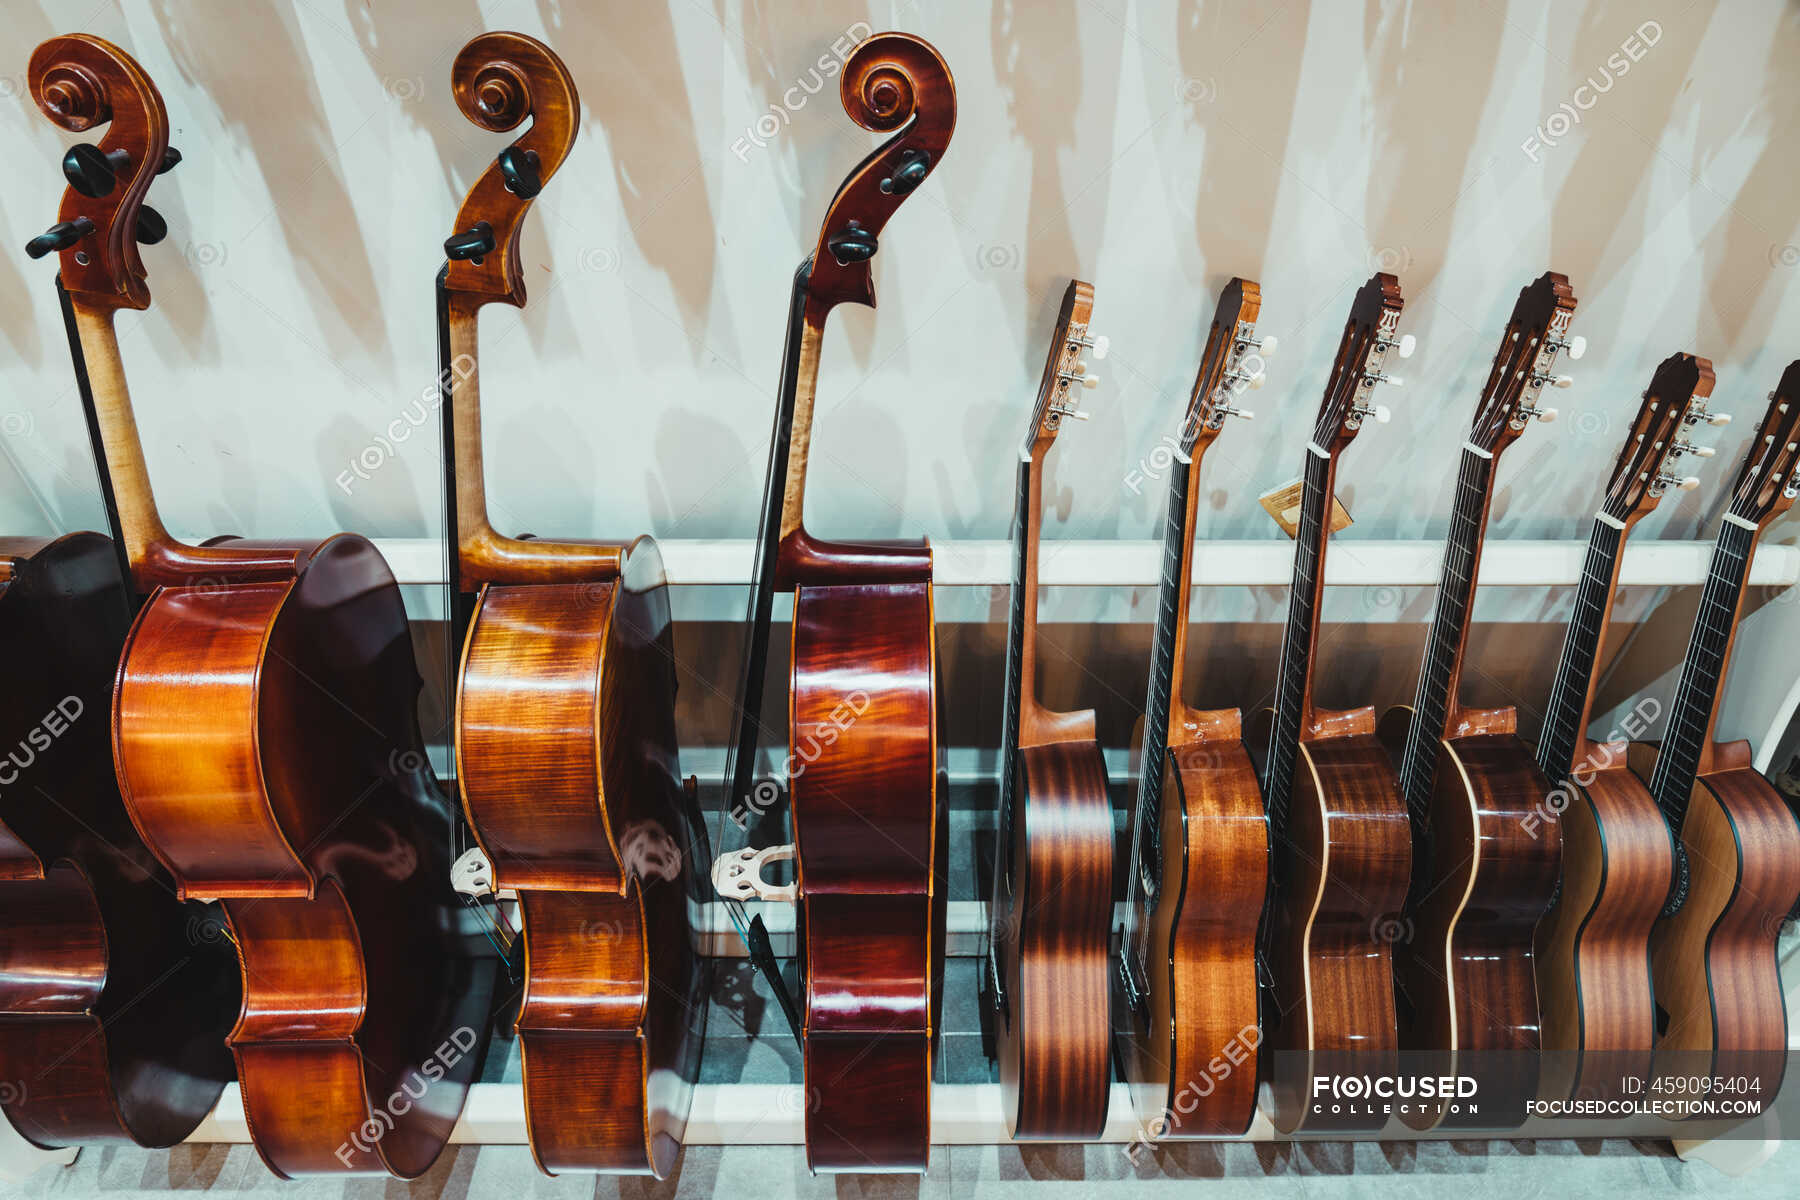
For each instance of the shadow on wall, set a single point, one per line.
(270, 101)
(629, 71)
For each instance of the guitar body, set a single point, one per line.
(1713, 962)
(266, 743)
(116, 996)
(1192, 1061)
(1348, 862)
(1053, 915)
(1592, 946)
(1464, 965)
(863, 792)
(567, 762)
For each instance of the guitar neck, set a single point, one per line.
(1572, 695)
(740, 768)
(1293, 682)
(1167, 652)
(1021, 631)
(1691, 720)
(1442, 666)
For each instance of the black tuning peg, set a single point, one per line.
(854, 245)
(171, 159)
(472, 243)
(914, 166)
(60, 236)
(520, 170)
(151, 228)
(93, 172)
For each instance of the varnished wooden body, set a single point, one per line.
(267, 749)
(866, 825)
(1194, 1064)
(1053, 920)
(1344, 869)
(114, 996)
(1592, 947)
(1464, 973)
(566, 756)
(1722, 1009)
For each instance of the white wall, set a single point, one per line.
(1153, 148)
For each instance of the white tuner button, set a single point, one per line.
(1257, 380)
(1701, 451)
(1577, 346)
(1101, 345)
(1546, 415)
(1718, 418)
(1383, 414)
(1395, 380)
(1562, 381)
(1090, 382)
(1408, 343)
(1267, 346)
(1688, 483)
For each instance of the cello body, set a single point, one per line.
(267, 746)
(117, 995)
(567, 759)
(871, 915)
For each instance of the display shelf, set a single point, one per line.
(1266, 563)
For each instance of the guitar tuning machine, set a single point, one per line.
(1363, 412)
(1700, 415)
(1405, 344)
(1541, 378)
(1097, 343)
(1526, 413)
(1371, 378)
(1685, 447)
(1684, 483)
(1223, 410)
(1264, 346)
(1575, 346)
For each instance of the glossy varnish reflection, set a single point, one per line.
(266, 745)
(565, 730)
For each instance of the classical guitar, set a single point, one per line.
(1482, 875)
(1343, 851)
(1721, 1010)
(1185, 1004)
(265, 736)
(1591, 949)
(117, 996)
(1051, 911)
(863, 787)
(565, 723)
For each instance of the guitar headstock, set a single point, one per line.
(892, 82)
(1369, 334)
(1066, 371)
(1232, 361)
(1674, 401)
(499, 79)
(1536, 333)
(1767, 483)
(82, 82)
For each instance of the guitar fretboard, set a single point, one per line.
(1690, 720)
(1449, 627)
(1146, 849)
(1024, 521)
(1296, 644)
(1575, 669)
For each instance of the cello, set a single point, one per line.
(1721, 1008)
(863, 786)
(1051, 913)
(1186, 989)
(265, 737)
(1343, 850)
(1482, 876)
(565, 725)
(1592, 947)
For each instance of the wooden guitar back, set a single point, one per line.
(567, 757)
(1054, 1036)
(1592, 948)
(116, 996)
(330, 845)
(1330, 1009)
(1718, 984)
(1192, 1064)
(864, 798)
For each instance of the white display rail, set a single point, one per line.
(1266, 563)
